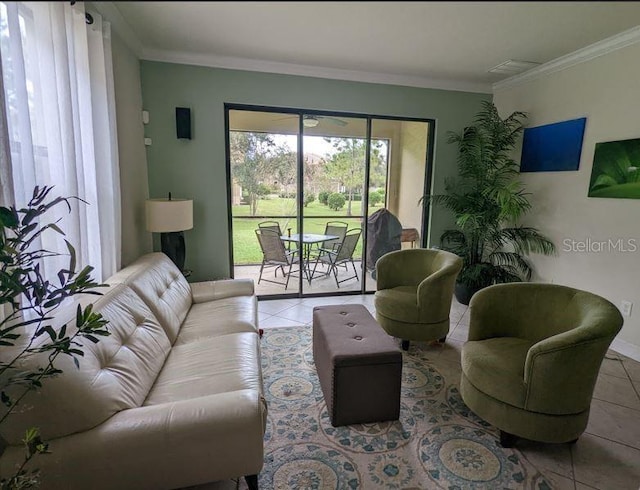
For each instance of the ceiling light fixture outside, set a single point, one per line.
(310, 122)
(512, 67)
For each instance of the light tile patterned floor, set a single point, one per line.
(607, 455)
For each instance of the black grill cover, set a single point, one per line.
(384, 232)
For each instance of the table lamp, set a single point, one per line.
(170, 217)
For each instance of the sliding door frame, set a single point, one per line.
(369, 118)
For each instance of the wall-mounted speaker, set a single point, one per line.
(183, 123)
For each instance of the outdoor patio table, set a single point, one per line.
(308, 239)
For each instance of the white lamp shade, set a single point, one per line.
(164, 216)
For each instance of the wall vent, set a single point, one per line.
(511, 67)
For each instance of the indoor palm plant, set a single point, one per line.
(30, 340)
(488, 200)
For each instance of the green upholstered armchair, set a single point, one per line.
(533, 357)
(414, 292)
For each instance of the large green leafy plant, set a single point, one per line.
(488, 200)
(27, 331)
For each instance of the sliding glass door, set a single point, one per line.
(334, 194)
(303, 188)
(263, 164)
(402, 155)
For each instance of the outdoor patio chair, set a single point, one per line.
(274, 226)
(270, 225)
(337, 228)
(275, 255)
(342, 256)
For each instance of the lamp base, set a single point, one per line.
(172, 244)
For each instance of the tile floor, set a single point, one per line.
(606, 457)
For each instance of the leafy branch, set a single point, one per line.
(29, 300)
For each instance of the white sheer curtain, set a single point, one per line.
(60, 115)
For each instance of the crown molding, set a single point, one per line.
(110, 11)
(600, 48)
(247, 64)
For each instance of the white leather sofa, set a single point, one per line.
(172, 398)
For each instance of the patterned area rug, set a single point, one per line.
(437, 443)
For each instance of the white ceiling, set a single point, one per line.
(441, 43)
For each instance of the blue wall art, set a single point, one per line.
(553, 147)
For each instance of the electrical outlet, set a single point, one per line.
(625, 307)
(147, 142)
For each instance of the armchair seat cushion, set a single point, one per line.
(399, 303)
(496, 367)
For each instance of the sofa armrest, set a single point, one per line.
(201, 292)
(170, 445)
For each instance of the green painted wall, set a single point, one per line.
(196, 168)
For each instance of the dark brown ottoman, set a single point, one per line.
(358, 364)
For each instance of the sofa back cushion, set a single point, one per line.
(163, 288)
(115, 374)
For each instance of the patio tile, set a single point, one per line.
(613, 354)
(614, 422)
(551, 457)
(604, 464)
(559, 482)
(449, 351)
(299, 313)
(582, 486)
(613, 367)
(460, 333)
(636, 385)
(276, 321)
(457, 311)
(616, 390)
(318, 285)
(276, 306)
(326, 300)
(464, 320)
(633, 369)
(263, 316)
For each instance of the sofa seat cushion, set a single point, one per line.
(220, 317)
(496, 367)
(207, 367)
(399, 303)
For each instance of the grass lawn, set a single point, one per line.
(246, 249)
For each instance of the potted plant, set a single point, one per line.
(488, 200)
(28, 301)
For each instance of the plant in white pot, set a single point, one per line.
(488, 200)
(28, 301)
